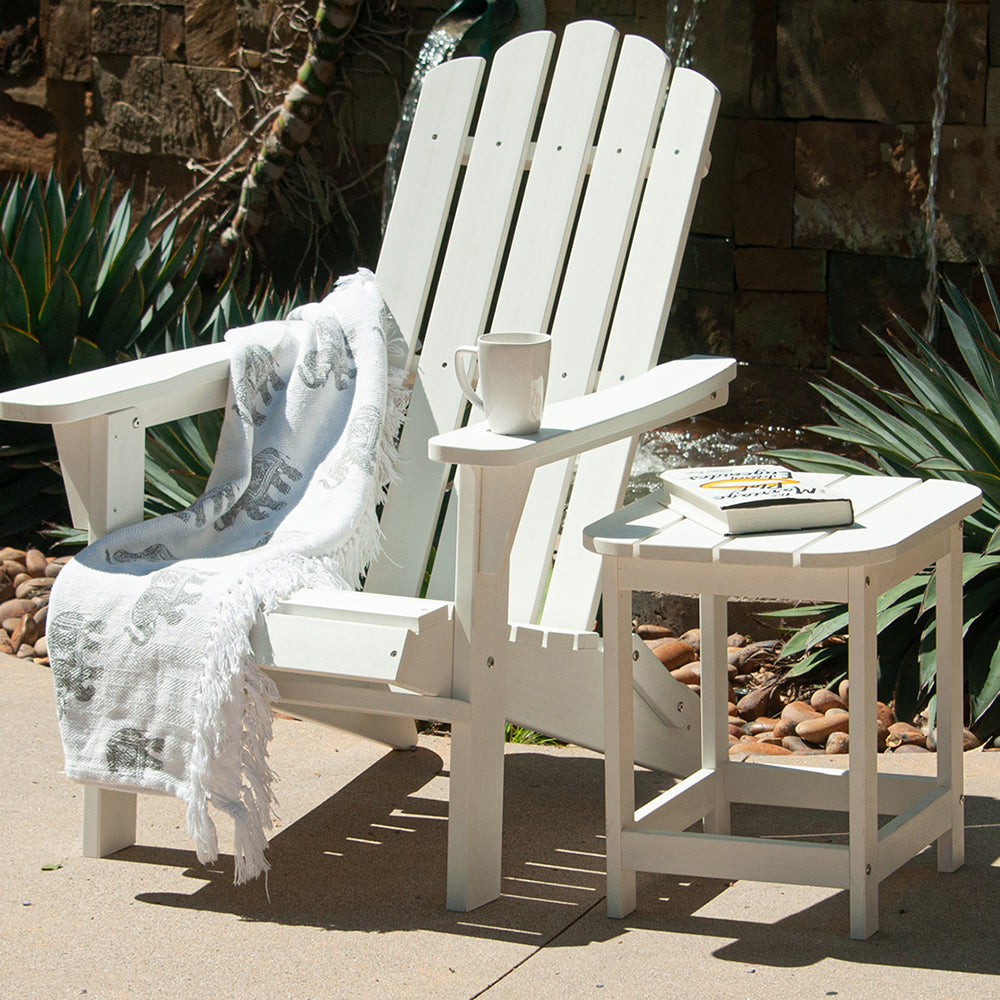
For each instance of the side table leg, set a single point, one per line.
(714, 705)
(951, 844)
(619, 752)
(863, 775)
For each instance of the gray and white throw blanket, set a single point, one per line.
(156, 685)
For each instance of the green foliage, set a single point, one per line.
(943, 425)
(85, 282)
(80, 283)
(81, 286)
(518, 734)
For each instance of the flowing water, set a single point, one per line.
(679, 40)
(930, 203)
(438, 47)
(707, 441)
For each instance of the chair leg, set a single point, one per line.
(109, 821)
(475, 814)
(863, 779)
(951, 844)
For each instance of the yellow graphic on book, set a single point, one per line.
(746, 483)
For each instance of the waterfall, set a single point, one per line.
(483, 25)
(678, 44)
(439, 46)
(929, 296)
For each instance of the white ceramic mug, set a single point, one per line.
(513, 373)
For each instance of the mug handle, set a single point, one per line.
(462, 374)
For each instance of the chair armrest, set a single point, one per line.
(667, 393)
(162, 387)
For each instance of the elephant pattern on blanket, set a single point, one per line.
(165, 599)
(219, 499)
(258, 380)
(270, 470)
(163, 692)
(360, 447)
(131, 751)
(77, 671)
(152, 553)
(332, 357)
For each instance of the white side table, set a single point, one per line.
(902, 526)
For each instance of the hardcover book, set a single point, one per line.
(739, 499)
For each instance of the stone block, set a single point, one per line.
(770, 396)
(145, 175)
(20, 48)
(860, 187)
(127, 105)
(787, 329)
(195, 119)
(994, 34)
(699, 323)
(33, 93)
(150, 106)
(252, 18)
(968, 194)
(67, 100)
(66, 31)
(713, 52)
(993, 96)
(125, 29)
(713, 211)
(834, 60)
(707, 264)
(865, 292)
(605, 9)
(172, 33)
(28, 137)
(764, 183)
(212, 32)
(780, 269)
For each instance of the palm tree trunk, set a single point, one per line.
(299, 113)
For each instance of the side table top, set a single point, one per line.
(890, 515)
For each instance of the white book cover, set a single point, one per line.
(738, 499)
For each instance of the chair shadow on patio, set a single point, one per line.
(371, 858)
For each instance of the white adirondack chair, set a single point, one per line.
(515, 226)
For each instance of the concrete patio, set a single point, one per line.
(357, 887)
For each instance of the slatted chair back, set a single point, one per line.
(570, 221)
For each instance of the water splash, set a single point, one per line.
(929, 297)
(438, 47)
(706, 441)
(678, 43)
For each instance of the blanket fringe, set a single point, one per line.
(236, 684)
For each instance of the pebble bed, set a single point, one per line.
(766, 714)
(769, 716)
(26, 577)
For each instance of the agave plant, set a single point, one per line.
(80, 284)
(83, 285)
(944, 425)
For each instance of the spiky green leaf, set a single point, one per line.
(78, 229)
(25, 357)
(28, 256)
(85, 356)
(119, 325)
(13, 297)
(59, 320)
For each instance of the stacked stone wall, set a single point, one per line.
(810, 225)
